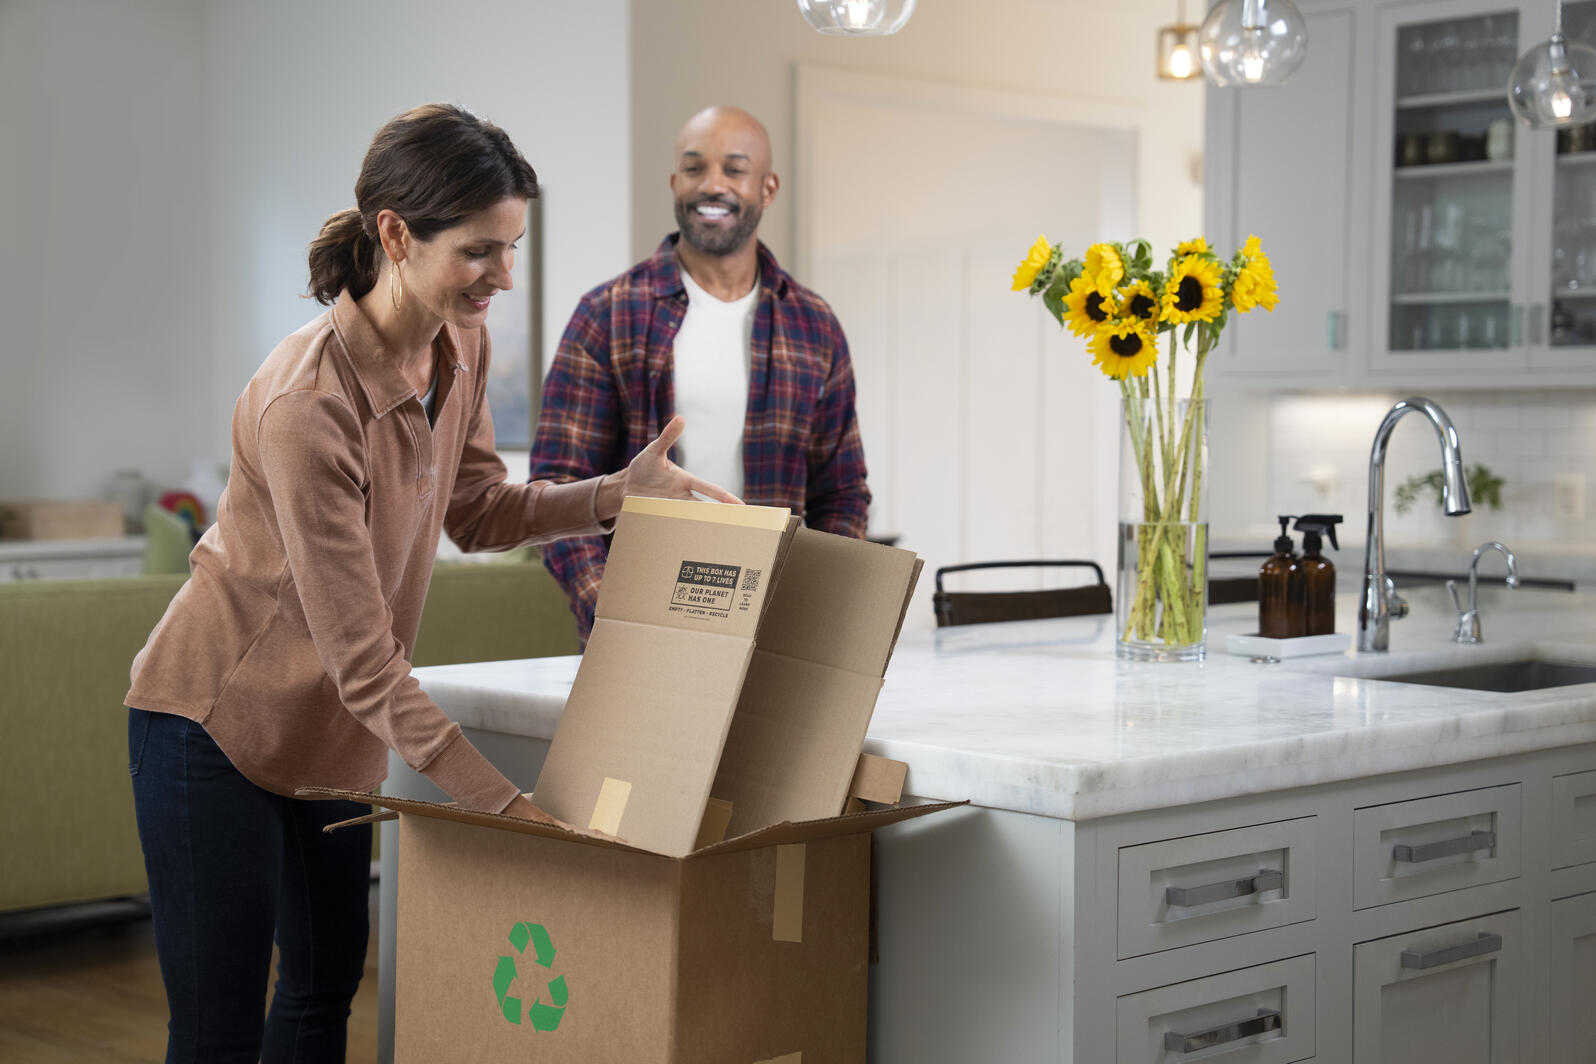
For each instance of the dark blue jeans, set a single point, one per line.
(230, 866)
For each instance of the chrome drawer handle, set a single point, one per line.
(1486, 943)
(1266, 879)
(1430, 851)
(1267, 1020)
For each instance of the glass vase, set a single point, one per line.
(1161, 601)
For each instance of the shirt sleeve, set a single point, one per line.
(486, 512)
(838, 499)
(580, 435)
(313, 461)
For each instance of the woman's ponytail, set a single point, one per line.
(342, 256)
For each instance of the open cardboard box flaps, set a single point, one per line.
(707, 896)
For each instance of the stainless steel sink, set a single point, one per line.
(1504, 676)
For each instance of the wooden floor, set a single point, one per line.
(94, 994)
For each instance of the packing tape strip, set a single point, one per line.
(611, 806)
(787, 922)
(789, 1058)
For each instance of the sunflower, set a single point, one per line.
(1195, 246)
(1255, 282)
(1138, 300)
(1193, 291)
(1104, 268)
(1125, 348)
(1085, 308)
(1036, 259)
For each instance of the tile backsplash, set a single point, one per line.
(1311, 453)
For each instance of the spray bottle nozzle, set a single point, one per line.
(1313, 525)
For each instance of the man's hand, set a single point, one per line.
(652, 473)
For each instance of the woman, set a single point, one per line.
(283, 661)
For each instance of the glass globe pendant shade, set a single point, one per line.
(1554, 83)
(857, 18)
(1252, 42)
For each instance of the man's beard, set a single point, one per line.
(716, 241)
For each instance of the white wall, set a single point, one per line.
(1094, 57)
(166, 163)
(105, 293)
(687, 54)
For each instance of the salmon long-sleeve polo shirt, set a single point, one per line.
(290, 642)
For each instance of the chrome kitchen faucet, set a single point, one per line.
(1468, 620)
(1380, 601)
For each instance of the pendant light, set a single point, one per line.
(857, 18)
(1177, 48)
(1252, 42)
(1554, 83)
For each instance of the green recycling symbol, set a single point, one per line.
(542, 1017)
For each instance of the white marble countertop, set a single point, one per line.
(1040, 717)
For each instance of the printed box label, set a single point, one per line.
(706, 586)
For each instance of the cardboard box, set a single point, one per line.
(725, 693)
(61, 520)
(521, 941)
(734, 654)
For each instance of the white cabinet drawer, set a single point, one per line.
(1572, 960)
(1573, 819)
(1258, 1015)
(1447, 993)
(1178, 892)
(1416, 848)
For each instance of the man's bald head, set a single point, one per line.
(723, 181)
(728, 126)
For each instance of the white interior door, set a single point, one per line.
(987, 431)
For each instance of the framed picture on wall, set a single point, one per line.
(515, 379)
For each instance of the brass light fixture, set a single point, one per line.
(1177, 48)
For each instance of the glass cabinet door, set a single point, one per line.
(1571, 320)
(1452, 183)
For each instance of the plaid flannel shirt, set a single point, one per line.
(610, 390)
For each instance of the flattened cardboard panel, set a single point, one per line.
(578, 943)
(878, 779)
(696, 575)
(748, 997)
(794, 741)
(650, 706)
(839, 602)
(828, 828)
(771, 518)
(712, 829)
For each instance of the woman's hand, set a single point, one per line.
(653, 473)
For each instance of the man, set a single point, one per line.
(711, 328)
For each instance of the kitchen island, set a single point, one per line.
(1281, 862)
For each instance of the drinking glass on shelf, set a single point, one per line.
(1503, 31)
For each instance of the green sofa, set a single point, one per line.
(65, 646)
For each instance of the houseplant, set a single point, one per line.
(1127, 311)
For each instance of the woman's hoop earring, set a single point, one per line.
(395, 296)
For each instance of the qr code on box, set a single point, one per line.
(751, 579)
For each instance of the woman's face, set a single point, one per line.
(456, 274)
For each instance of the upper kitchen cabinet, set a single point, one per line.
(1453, 220)
(1287, 164)
(1563, 282)
(1419, 233)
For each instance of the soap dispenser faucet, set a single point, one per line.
(1380, 602)
(1468, 620)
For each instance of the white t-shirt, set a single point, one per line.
(712, 352)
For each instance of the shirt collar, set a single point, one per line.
(665, 274)
(379, 378)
